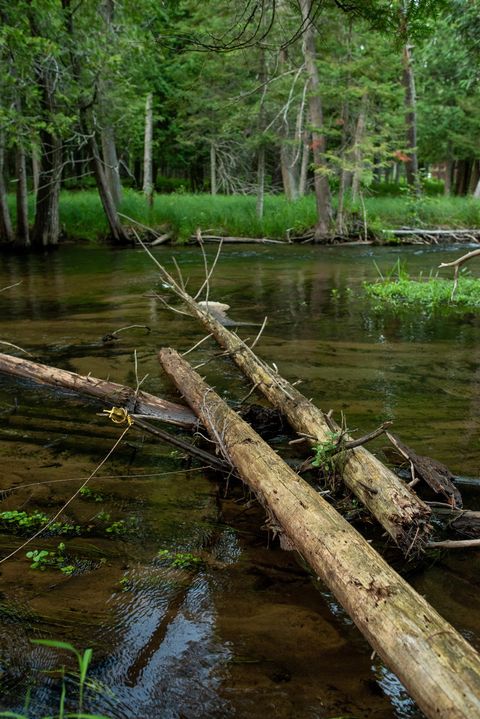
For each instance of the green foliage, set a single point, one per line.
(43, 559)
(179, 560)
(118, 528)
(91, 495)
(326, 453)
(21, 522)
(430, 294)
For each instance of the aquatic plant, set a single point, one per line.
(43, 559)
(83, 661)
(16, 521)
(179, 560)
(90, 494)
(398, 290)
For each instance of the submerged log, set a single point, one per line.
(108, 392)
(440, 670)
(395, 506)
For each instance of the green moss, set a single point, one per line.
(431, 294)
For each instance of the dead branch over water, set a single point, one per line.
(438, 667)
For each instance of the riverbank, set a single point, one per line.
(180, 214)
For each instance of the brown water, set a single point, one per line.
(250, 633)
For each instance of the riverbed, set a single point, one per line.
(245, 630)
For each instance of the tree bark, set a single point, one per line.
(118, 233)
(357, 153)
(302, 184)
(110, 160)
(213, 169)
(6, 230)
(322, 188)
(403, 515)
(260, 181)
(440, 670)
(408, 78)
(46, 228)
(22, 236)
(147, 150)
(110, 393)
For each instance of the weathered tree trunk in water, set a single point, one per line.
(440, 670)
(109, 392)
(393, 504)
(6, 230)
(322, 187)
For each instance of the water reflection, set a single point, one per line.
(250, 633)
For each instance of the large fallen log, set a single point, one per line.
(398, 509)
(108, 392)
(440, 670)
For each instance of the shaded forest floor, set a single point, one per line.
(181, 214)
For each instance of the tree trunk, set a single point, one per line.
(440, 670)
(35, 171)
(357, 154)
(118, 234)
(110, 160)
(6, 230)
(322, 188)
(260, 181)
(213, 169)
(46, 228)
(448, 176)
(474, 177)
(22, 237)
(109, 392)
(476, 194)
(147, 150)
(302, 184)
(411, 166)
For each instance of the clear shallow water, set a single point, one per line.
(248, 633)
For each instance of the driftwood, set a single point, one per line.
(402, 514)
(457, 264)
(462, 521)
(434, 473)
(110, 393)
(440, 670)
(395, 506)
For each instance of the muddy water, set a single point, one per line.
(248, 632)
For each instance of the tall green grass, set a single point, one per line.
(81, 214)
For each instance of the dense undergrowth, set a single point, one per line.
(82, 216)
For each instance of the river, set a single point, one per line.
(247, 632)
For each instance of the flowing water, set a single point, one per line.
(248, 632)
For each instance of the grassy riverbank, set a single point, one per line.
(82, 215)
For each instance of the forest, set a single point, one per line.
(274, 119)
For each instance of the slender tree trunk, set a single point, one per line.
(260, 181)
(357, 153)
(110, 160)
(22, 238)
(147, 150)
(322, 188)
(35, 171)
(213, 169)
(302, 184)
(476, 194)
(448, 176)
(118, 233)
(411, 166)
(474, 176)
(6, 231)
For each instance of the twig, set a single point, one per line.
(204, 339)
(367, 437)
(208, 273)
(20, 349)
(69, 501)
(455, 543)
(457, 264)
(259, 333)
(9, 287)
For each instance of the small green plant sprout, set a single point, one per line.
(180, 560)
(43, 559)
(91, 495)
(330, 453)
(83, 661)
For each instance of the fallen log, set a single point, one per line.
(396, 507)
(439, 669)
(110, 393)
(236, 240)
